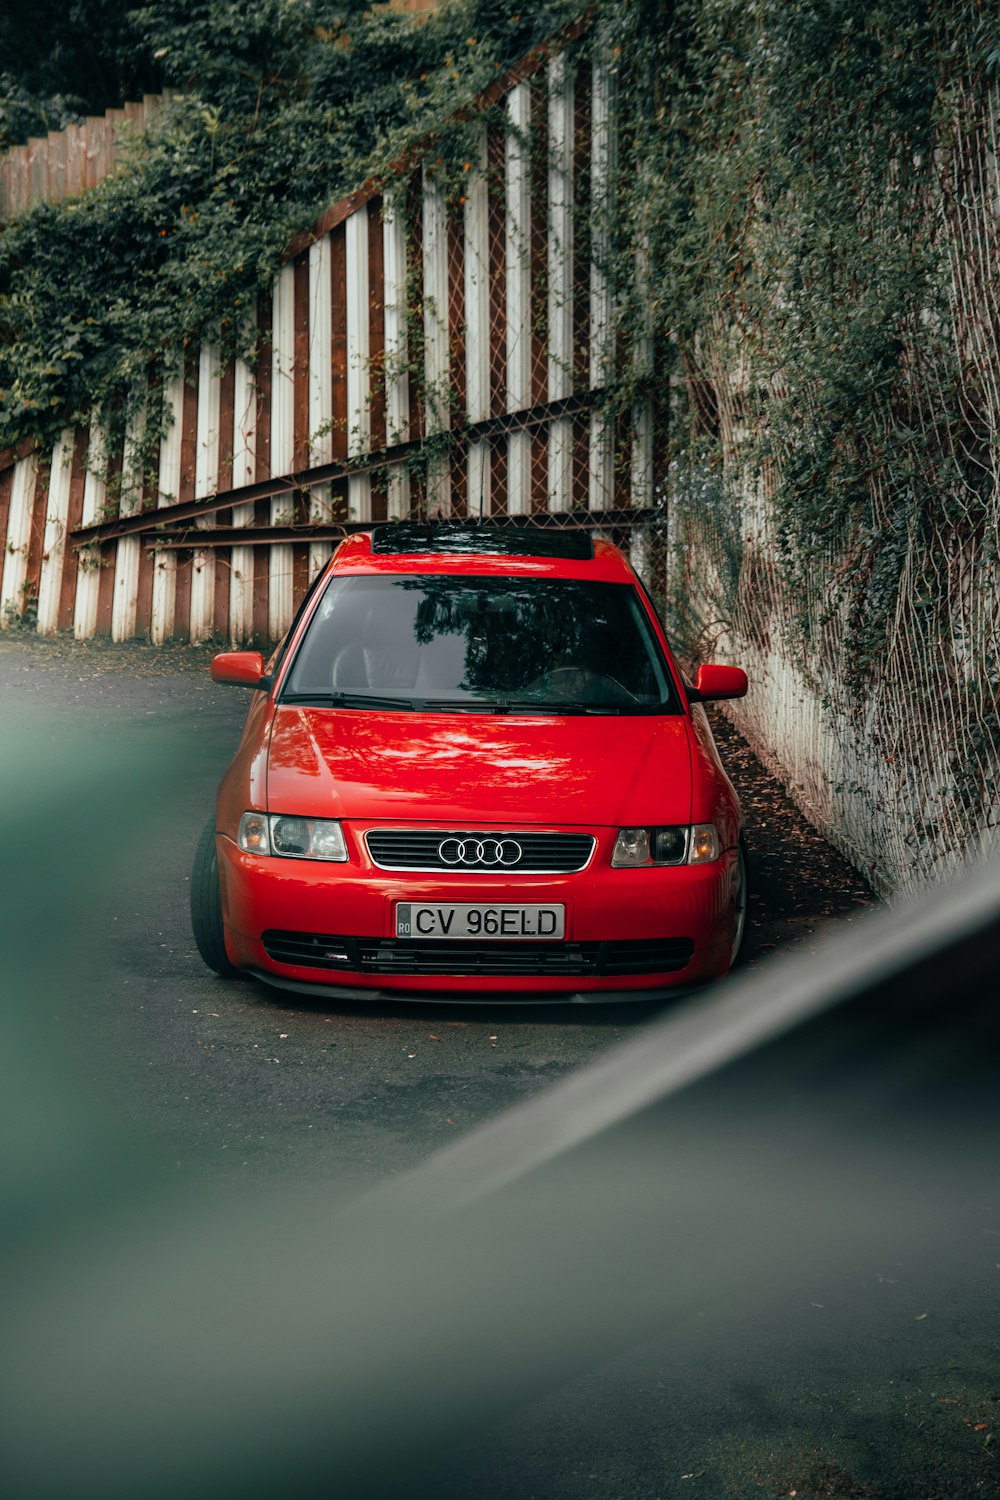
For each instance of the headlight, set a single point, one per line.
(683, 845)
(292, 838)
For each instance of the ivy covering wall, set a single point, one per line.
(825, 211)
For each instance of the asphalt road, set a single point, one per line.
(213, 1083)
(233, 1076)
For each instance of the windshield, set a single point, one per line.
(481, 644)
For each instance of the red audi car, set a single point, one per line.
(473, 769)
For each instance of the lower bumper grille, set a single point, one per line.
(619, 957)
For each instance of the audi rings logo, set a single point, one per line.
(499, 853)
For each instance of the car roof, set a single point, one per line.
(471, 547)
(474, 537)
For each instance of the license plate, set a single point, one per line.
(501, 921)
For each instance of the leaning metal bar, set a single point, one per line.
(284, 484)
(326, 531)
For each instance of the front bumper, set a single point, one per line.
(670, 911)
(439, 996)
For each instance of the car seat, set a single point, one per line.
(376, 662)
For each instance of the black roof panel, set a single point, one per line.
(472, 536)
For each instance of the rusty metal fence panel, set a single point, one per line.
(421, 353)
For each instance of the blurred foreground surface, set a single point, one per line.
(783, 1276)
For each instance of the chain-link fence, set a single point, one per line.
(873, 649)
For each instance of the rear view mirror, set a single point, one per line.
(718, 682)
(240, 669)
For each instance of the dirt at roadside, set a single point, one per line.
(798, 882)
(99, 657)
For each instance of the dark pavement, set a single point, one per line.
(882, 1383)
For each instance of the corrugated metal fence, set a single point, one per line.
(419, 354)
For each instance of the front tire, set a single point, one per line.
(206, 905)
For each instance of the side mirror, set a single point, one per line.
(718, 682)
(240, 669)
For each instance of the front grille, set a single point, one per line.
(536, 960)
(541, 853)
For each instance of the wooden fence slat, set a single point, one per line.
(395, 346)
(96, 129)
(19, 196)
(457, 499)
(579, 444)
(127, 559)
(320, 351)
(301, 392)
(518, 292)
(300, 412)
(538, 243)
(358, 348)
(244, 467)
(559, 242)
(280, 607)
(224, 481)
(181, 624)
(76, 160)
(206, 482)
(56, 154)
(262, 510)
(6, 489)
(36, 537)
(476, 277)
(163, 603)
(108, 555)
(320, 335)
(376, 351)
(600, 487)
(338, 344)
(38, 169)
(15, 556)
(54, 541)
(74, 515)
(89, 557)
(437, 372)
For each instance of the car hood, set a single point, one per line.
(479, 768)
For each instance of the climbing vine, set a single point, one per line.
(279, 112)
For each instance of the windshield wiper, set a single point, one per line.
(460, 706)
(530, 705)
(480, 706)
(514, 706)
(451, 705)
(350, 700)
